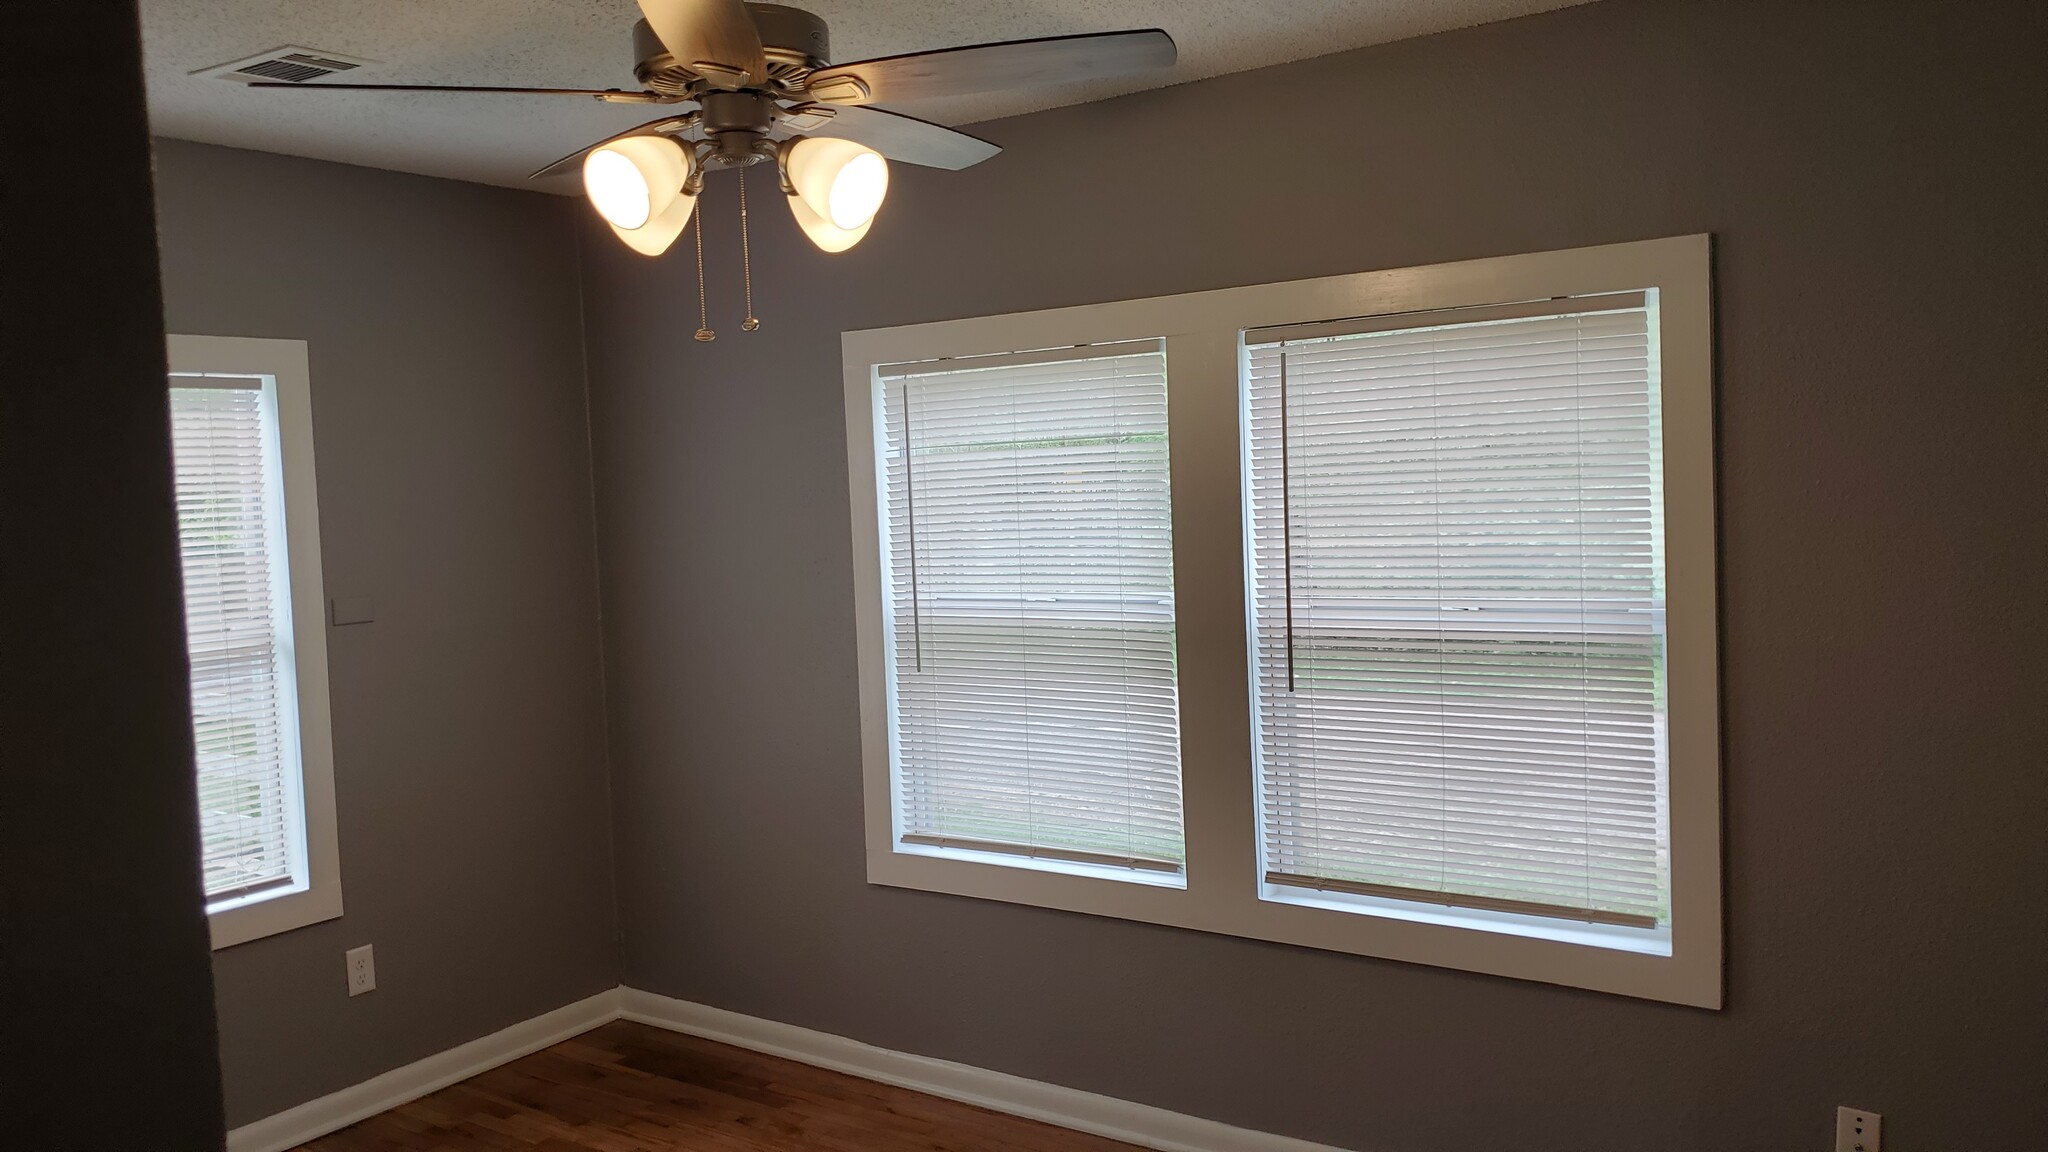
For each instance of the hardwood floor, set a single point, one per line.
(627, 1087)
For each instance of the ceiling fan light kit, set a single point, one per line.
(839, 180)
(828, 236)
(764, 89)
(644, 187)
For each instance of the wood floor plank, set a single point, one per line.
(627, 1087)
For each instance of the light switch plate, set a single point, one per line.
(352, 610)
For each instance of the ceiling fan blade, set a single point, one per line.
(991, 67)
(667, 125)
(609, 95)
(714, 38)
(904, 138)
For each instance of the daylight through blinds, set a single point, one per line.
(230, 534)
(1458, 609)
(1028, 547)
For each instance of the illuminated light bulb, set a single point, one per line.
(843, 183)
(636, 185)
(616, 189)
(825, 234)
(858, 191)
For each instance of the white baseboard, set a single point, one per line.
(1139, 1124)
(295, 1126)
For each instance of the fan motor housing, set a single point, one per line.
(737, 123)
(795, 42)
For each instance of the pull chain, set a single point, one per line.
(746, 260)
(704, 332)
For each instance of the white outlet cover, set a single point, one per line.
(362, 970)
(1858, 1131)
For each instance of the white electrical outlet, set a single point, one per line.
(1858, 1131)
(362, 970)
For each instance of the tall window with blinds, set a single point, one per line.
(238, 628)
(1028, 591)
(1457, 590)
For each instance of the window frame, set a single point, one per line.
(1205, 347)
(315, 892)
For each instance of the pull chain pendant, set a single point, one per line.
(704, 332)
(746, 260)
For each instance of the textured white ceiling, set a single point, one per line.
(588, 44)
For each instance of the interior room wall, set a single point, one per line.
(108, 1040)
(443, 329)
(1870, 174)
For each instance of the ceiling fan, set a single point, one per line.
(762, 89)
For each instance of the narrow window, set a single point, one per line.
(1457, 592)
(238, 629)
(1030, 615)
(249, 537)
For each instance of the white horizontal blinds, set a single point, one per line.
(1030, 589)
(229, 533)
(1459, 610)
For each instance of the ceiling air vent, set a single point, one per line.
(291, 64)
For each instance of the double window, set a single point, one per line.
(1445, 651)
(249, 538)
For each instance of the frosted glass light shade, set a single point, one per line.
(636, 185)
(654, 237)
(823, 232)
(842, 182)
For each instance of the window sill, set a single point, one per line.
(1106, 872)
(1647, 941)
(1665, 963)
(260, 914)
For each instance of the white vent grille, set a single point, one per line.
(291, 64)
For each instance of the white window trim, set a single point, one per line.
(1203, 334)
(315, 893)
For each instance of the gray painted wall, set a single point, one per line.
(1871, 173)
(106, 1006)
(449, 430)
